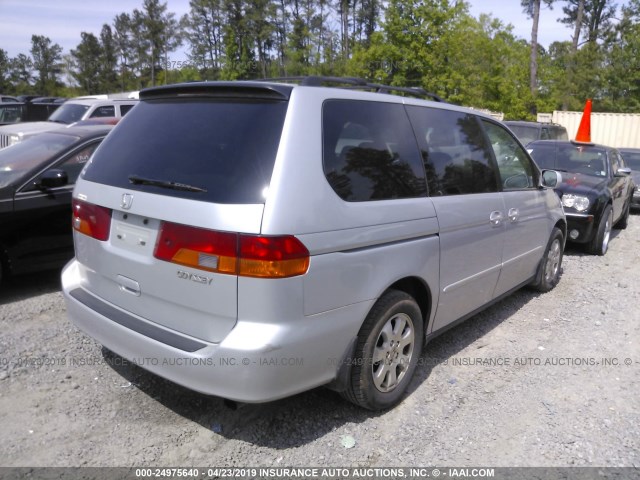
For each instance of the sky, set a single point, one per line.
(63, 20)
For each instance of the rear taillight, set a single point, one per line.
(92, 220)
(232, 253)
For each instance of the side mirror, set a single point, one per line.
(53, 178)
(622, 172)
(551, 178)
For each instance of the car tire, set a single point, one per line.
(624, 219)
(600, 242)
(550, 267)
(387, 351)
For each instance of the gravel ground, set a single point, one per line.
(558, 393)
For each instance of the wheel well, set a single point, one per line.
(563, 228)
(419, 291)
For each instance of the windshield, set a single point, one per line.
(224, 150)
(524, 133)
(569, 157)
(632, 159)
(68, 113)
(21, 158)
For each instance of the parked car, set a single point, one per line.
(596, 189)
(529, 131)
(294, 236)
(11, 113)
(631, 158)
(69, 112)
(36, 180)
(8, 99)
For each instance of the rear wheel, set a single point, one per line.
(600, 243)
(389, 345)
(551, 264)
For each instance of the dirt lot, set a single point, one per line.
(536, 380)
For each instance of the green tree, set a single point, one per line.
(5, 71)
(203, 30)
(532, 9)
(46, 57)
(108, 66)
(86, 59)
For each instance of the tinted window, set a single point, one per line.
(23, 157)
(514, 165)
(369, 151)
(227, 148)
(525, 133)
(124, 109)
(68, 113)
(104, 111)
(456, 156)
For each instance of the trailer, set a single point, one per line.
(620, 130)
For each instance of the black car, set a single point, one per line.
(529, 131)
(596, 188)
(26, 111)
(37, 177)
(631, 158)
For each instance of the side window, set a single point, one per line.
(514, 165)
(454, 151)
(124, 109)
(104, 111)
(369, 151)
(75, 163)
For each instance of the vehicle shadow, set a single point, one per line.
(314, 413)
(22, 287)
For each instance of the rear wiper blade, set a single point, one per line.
(136, 180)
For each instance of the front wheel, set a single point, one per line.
(600, 243)
(551, 264)
(624, 219)
(389, 345)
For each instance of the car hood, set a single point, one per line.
(581, 184)
(30, 128)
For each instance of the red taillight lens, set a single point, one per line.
(232, 253)
(197, 247)
(272, 257)
(92, 220)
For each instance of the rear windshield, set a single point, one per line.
(224, 149)
(23, 157)
(525, 133)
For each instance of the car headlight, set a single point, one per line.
(577, 202)
(14, 138)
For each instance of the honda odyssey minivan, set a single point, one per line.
(252, 240)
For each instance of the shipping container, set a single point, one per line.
(620, 130)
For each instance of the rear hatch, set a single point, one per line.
(166, 201)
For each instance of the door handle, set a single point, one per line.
(495, 218)
(514, 215)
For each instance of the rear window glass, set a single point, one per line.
(225, 149)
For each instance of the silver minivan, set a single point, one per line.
(252, 240)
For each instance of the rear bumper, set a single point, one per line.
(256, 362)
(581, 223)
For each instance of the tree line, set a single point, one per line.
(434, 44)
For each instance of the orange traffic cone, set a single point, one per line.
(584, 130)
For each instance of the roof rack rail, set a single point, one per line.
(354, 83)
